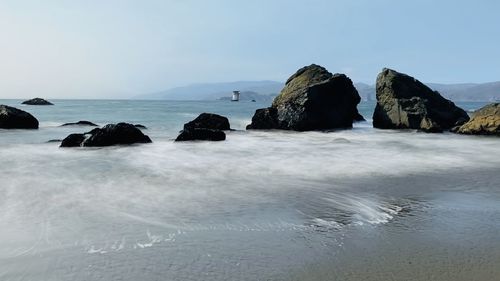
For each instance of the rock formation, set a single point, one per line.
(111, 134)
(209, 121)
(264, 118)
(13, 118)
(405, 103)
(37, 101)
(207, 126)
(73, 140)
(485, 121)
(312, 99)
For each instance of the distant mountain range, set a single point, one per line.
(267, 90)
(454, 92)
(257, 90)
(469, 92)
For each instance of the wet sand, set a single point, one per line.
(449, 231)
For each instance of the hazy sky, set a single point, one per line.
(109, 49)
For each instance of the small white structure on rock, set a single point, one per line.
(236, 96)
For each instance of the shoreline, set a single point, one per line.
(276, 205)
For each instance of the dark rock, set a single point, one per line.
(111, 134)
(405, 103)
(73, 140)
(312, 99)
(140, 126)
(264, 118)
(485, 121)
(80, 123)
(13, 118)
(37, 101)
(54, 140)
(207, 126)
(201, 134)
(209, 121)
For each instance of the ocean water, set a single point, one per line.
(360, 204)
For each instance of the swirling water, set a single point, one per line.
(360, 204)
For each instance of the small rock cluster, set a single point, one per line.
(111, 134)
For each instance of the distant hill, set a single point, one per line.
(258, 90)
(469, 92)
(366, 92)
(266, 90)
(249, 95)
(454, 92)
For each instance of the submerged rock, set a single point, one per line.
(111, 134)
(405, 103)
(485, 121)
(207, 126)
(37, 101)
(140, 126)
(80, 123)
(13, 118)
(312, 99)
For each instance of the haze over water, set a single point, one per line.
(346, 205)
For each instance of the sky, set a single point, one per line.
(119, 49)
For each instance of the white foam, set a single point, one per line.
(364, 209)
(326, 223)
(181, 186)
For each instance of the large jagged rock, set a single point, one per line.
(312, 99)
(37, 101)
(111, 134)
(13, 118)
(207, 126)
(485, 121)
(405, 103)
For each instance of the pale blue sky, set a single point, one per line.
(110, 49)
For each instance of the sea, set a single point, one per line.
(358, 204)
